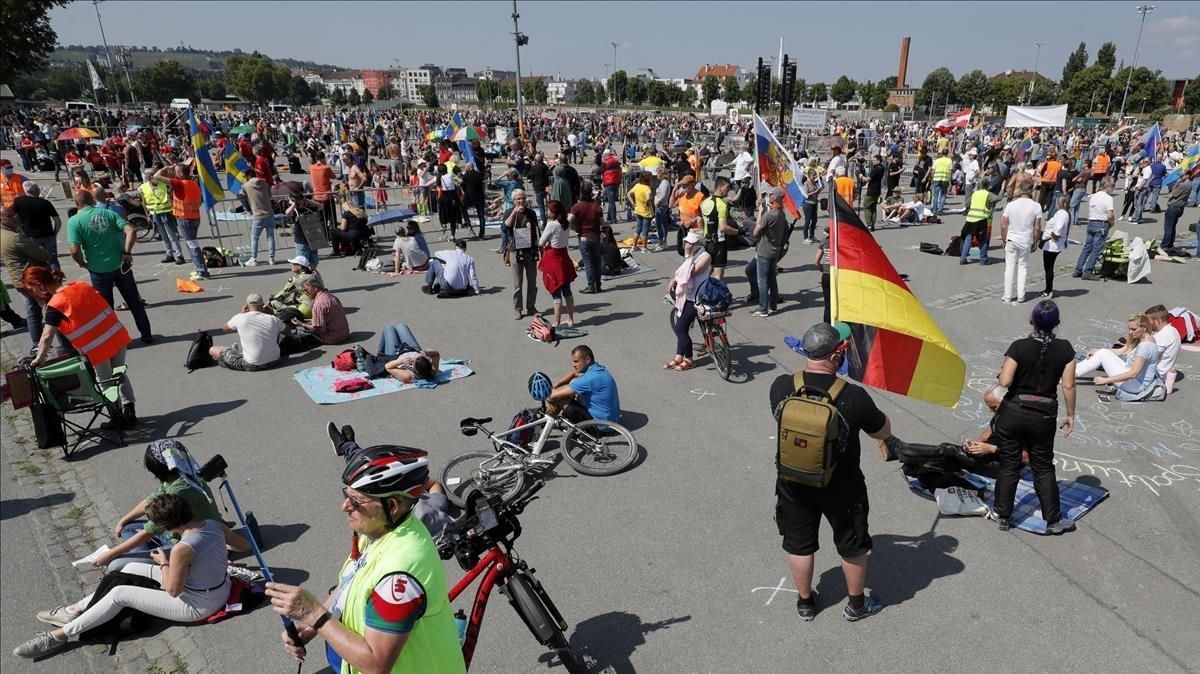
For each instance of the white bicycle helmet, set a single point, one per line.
(388, 470)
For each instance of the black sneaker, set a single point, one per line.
(1002, 524)
(335, 437)
(347, 433)
(807, 611)
(871, 606)
(1063, 525)
(1076, 274)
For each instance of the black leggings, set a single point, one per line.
(683, 325)
(1018, 427)
(1048, 265)
(1127, 207)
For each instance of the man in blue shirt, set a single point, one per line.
(588, 391)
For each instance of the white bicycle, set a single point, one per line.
(592, 447)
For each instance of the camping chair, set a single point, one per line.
(69, 386)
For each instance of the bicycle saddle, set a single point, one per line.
(472, 421)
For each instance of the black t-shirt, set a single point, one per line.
(875, 181)
(35, 214)
(856, 407)
(1038, 374)
(472, 185)
(539, 177)
(893, 181)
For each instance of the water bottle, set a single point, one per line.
(460, 622)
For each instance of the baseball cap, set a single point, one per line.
(300, 260)
(254, 298)
(778, 193)
(822, 339)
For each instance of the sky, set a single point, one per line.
(573, 39)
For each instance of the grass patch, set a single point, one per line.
(171, 665)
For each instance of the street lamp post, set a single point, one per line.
(1143, 10)
(107, 54)
(1036, 60)
(521, 40)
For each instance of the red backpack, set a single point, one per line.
(541, 331)
(344, 361)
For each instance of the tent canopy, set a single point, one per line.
(1020, 116)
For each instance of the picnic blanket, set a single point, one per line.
(1077, 499)
(318, 382)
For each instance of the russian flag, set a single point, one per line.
(777, 167)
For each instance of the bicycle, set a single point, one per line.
(592, 447)
(482, 543)
(711, 325)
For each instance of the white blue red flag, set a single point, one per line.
(777, 167)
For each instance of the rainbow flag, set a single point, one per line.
(1190, 158)
(237, 169)
(777, 167)
(897, 345)
(205, 171)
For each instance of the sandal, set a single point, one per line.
(671, 364)
(684, 364)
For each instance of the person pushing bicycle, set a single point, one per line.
(390, 611)
(588, 391)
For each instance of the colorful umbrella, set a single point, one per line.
(433, 135)
(469, 133)
(244, 128)
(77, 133)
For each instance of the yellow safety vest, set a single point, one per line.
(942, 166)
(156, 197)
(979, 209)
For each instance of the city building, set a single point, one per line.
(721, 72)
(420, 77)
(560, 91)
(495, 74)
(457, 89)
(374, 80)
(346, 80)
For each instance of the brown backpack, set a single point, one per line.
(811, 434)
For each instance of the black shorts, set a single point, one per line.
(718, 251)
(798, 511)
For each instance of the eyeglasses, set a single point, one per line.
(355, 503)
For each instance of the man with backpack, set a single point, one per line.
(820, 416)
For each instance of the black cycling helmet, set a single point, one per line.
(388, 470)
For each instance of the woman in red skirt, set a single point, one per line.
(558, 269)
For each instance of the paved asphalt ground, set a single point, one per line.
(675, 566)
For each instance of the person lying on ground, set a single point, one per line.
(407, 360)
(258, 338)
(193, 576)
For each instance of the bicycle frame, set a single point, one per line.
(548, 425)
(494, 566)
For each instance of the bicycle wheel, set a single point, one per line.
(548, 630)
(484, 471)
(596, 447)
(720, 351)
(145, 228)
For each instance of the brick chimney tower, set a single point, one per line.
(903, 74)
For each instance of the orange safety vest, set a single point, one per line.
(89, 323)
(1050, 172)
(1100, 164)
(188, 207)
(11, 188)
(845, 187)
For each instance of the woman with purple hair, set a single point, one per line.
(1034, 367)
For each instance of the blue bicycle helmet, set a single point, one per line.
(540, 386)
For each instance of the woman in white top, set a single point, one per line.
(410, 252)
(1132, 369)
(558, 269)
(1054, 241)
(449, 212)
(684, 284)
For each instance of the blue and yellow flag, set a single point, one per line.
(205, 171)
(237, 169)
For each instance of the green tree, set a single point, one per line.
(485, 90)
(712, 89)
(601, 94)
(618, 87)
(163, 81)
(660, 94)
(66, 83)
(1076, 62)
(972, 88)
(637, 91)
(1107, 56)
(1087, 87)
(874, 95)
(1191, 95)
(338, 97)
(1148, 90)
(354, 98)
(799, 91)
(301, 92)
(430, 98)
(937, 88)
(535, 90)
(1005, 91)
(843, 89)
(368, 97)
(26, 36)
(1044, 92)
(508, 91)
(254, 78)
(749, 89)
(818, 92)
(212, 88)
(585, 93)
(731, 91)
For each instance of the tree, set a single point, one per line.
(584, 92)
(355, 98)
(66, 83)
(1006, 91)
(1075, 62)
(937, 88)
(26, 36)
(430, 98)
(163, 81)
(731, 91)
(1147, 89)
(254, 78)
(711, 89)
(749, 90)
(212, 88)
(819, 92)
(485, 90)
(874, 95)
(367, 97)
(338, 97)
(508, 91)
(601, 94)
(618, 87)
(535, 90)
(387, 93)
(660, 94)
(301, 92)
(1107, 56)
(843, 89)
(1191, 95)
(1088, 86)
(972, 88)
(1043, 93)
(637, 91)
(799, 91)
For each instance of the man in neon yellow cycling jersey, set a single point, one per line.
(390, 611)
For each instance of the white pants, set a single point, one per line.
(1016, 260)
(188, 607)
(1111, 363)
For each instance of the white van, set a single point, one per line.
(180, 104)
(280, 107)
(80, 105)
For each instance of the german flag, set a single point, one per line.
(899, 347)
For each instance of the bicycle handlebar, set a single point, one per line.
(467, 538)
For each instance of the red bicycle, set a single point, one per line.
(481, 540)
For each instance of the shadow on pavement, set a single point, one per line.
(160, 426)
(903, 565)
(633, 420)
(593, 321)
(283, 574)
(16, 507)
(274, 535)
(606, 642)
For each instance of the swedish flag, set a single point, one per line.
(237, 169)
(205, 171)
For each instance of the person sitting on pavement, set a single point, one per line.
(1131, 369)
(328, 324)
(410, 252)
(1168, 341)
(258, 338)
(291, 296)
(171, 464)
(893, 205)
(351, 230)
(588, 391)
(451, 273)
(193, 576)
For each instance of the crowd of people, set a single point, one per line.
(558, 197)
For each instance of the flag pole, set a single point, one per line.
(833, 256)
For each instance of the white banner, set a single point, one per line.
(718, 108)
(803, 118)
(1021, 116)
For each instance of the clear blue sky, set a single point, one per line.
(572, 39)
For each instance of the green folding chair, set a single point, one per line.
(70, 387)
